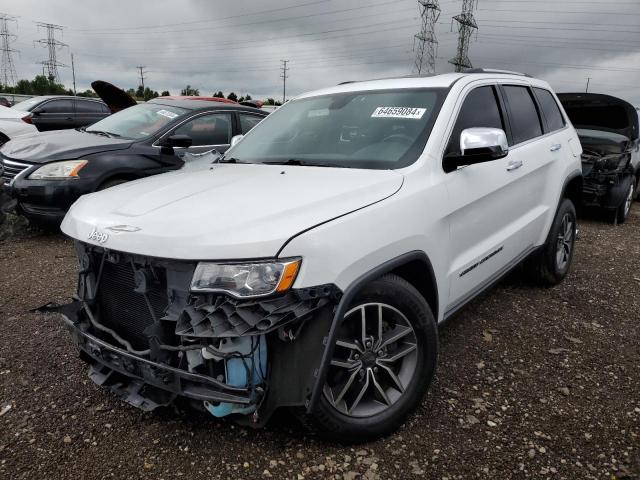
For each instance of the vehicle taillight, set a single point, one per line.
(27, 119)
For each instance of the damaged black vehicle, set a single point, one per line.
(608, 131)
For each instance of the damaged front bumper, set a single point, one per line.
(606, 179)
(141, 382)
(150, 340)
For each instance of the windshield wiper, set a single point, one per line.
(305, 163)
(104, 134)
(224, 159)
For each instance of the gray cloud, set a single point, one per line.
(231, 46)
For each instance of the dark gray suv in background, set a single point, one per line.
(59, 112)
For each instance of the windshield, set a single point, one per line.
(137, 122)
(373, 130)
(27, 105)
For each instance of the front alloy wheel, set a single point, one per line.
(373, 362)
(382, 365)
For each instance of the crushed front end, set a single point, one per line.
(606, 168)
(150, 339)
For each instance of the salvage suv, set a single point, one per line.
(309, 267)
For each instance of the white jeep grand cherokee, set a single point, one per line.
(309, 266)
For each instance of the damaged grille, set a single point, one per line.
(121, 305)
(222, 316)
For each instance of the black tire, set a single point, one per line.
(621, 213)
(544, 267)
(112, 183)
(396, 292)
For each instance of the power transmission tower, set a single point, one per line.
(142, 72)
(427, 47)
(8, 74)
(284, 77)
(466, 25)
(53, 46)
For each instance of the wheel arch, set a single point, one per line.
(415, 267)
(572, 189)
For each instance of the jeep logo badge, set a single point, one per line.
(98, 236)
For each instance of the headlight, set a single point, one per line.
(59, 170)
(252, 279)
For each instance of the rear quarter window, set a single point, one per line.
(550, 109)
(524, 118)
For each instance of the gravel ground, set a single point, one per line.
(532, 383)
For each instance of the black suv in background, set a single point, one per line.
(47, 172)
(62, 112)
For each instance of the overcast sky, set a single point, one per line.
(237, 45)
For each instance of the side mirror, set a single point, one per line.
(235, 139)
(37, 111)
(478, 145)
(177, 141)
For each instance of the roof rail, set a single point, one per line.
(495, 70)
(348, 81)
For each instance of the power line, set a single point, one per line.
(284, 77)
(8, 74)
(427, 42)
(259, 12)
(591, 12)
(466, 25)
(52, 45)
(253, 23)
(238, 44)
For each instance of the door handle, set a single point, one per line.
(514, 165)
(556, 147)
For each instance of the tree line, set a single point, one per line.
(43, 85)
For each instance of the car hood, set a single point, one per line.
(227, 212)
(115, 98)
(56, 145)
(595, 111)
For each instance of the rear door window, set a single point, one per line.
(480, 109)
(247, 122)
(550, 110)
(88, 106)
(209, 129)
(524, 118)
(58, 106)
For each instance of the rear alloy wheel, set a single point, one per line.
(382, 364)
(549, 265)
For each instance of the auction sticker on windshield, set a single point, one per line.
(398, 112)
(167, 113)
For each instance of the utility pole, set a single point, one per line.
(466, 25)
(8, 76)
(588, 80)
(53, 45)
(142, 72)
(73, 72)
(284, 77)
(427, 47)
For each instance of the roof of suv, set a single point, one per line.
(445, 80)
